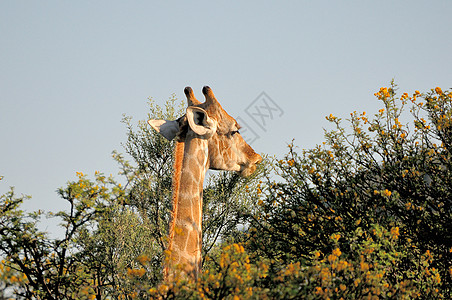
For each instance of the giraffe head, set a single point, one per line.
(227, 150)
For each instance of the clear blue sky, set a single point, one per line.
(70, 69)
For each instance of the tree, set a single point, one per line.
(115, 230)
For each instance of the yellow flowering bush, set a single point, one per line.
(383, 184)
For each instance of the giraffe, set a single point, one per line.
(207, 138)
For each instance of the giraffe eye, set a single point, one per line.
(234, 132)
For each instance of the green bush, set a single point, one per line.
(380, 174)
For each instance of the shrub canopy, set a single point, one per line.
(366, 214)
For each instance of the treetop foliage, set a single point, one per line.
(365, 214)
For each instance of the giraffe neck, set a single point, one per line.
(185, 235)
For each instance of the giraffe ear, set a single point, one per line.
(200, 122)
(168, 129)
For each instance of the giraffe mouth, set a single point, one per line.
(247, 170)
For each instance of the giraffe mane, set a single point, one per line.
(178, 158)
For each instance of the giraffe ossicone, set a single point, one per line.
(207, 137)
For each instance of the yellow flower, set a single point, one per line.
(437, 278)
(438, 90)
(335, 236)
(337, 252)
(395, 233)
(332, 258)
(364, 266)
(136, 272)
(239, 248)
(341, 265)
(357, 282)
(143, 259)
(331, 117)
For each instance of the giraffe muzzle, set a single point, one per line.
(248, 169)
